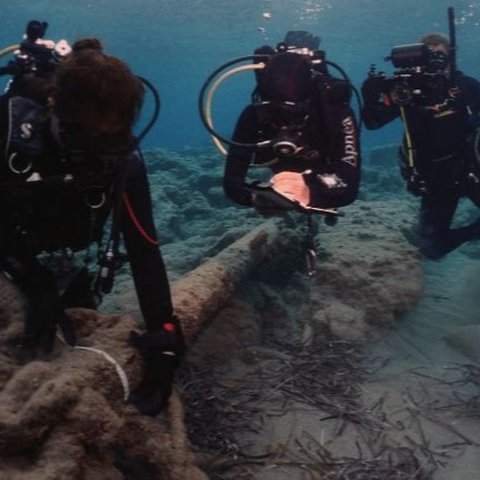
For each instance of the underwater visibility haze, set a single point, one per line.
(176, 45)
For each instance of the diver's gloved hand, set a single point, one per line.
(416, 186)
(265, 207)
(414, 182)
(372, 89)
(161, 351)
(331, 184)
(327, 185)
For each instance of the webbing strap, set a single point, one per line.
(408, 139)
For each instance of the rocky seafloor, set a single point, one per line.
(278, 382)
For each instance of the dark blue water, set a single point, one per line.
(176, 44)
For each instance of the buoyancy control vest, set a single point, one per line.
(293, 103)
(51, 198)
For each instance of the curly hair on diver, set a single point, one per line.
(92, 88)
(87, 44)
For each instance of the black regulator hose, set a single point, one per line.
(156, 110)
(354, 89)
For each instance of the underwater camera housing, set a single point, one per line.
(420, 78)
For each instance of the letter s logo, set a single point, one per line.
(26, 131)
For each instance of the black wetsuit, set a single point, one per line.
(436, 137)
(56, 216)
(331, 138)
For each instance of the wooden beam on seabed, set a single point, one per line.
(199, 295)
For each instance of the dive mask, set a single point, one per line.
(438, 61)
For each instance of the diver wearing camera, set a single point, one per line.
(421, 77)
(438, 107)
(299, 126)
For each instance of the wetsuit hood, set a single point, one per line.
(287, 77)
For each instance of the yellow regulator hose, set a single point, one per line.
(8, 50)
(212, 91)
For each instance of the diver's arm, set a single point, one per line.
(3, 122)
(475, 86)
(377, 110)
(375, 117)
(148, 269)
(162, 346)
(344, 152)
(470, 88)
(238, 160)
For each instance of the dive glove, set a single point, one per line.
(266, 207)
(327, 185)
(161, 351)
(414, 182)
(372, 88)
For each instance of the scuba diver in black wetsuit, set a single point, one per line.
(438, 106)
(70, 163)
(301, 127)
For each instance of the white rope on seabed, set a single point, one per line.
(118, 368)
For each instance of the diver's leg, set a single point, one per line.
(79, 291)
(436, 215)
(45, 308)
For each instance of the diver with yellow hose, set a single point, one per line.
(439, 108)
(299, 125)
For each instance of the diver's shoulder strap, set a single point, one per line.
(333, 90)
